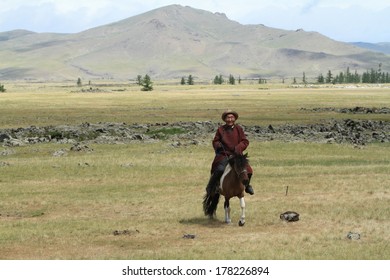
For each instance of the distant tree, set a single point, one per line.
(348, 76)
(294, 81)
(356, 77)
(146, 83)
(139, 79)
(341, 79)
(366, 77)
(232, 80)
(239, 79)
(183, 81)
(218, 80)
(320, 79)
(2, 89)
(304, 78)
(221, 80)
(190, 80)
(373, 76)
(79, 83)
(329, 77)
(262, 81)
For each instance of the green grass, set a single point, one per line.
(68, 207)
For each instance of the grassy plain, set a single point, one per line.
(69, 207)
(51, 104)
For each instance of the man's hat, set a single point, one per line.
(229, 112)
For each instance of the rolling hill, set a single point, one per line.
(175, 41)
(378, 47)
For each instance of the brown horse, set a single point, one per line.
(232, 183)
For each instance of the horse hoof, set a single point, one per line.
(241, 224)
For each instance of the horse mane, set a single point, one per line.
(240, 159)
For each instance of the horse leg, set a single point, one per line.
(241, 222)
(228, 220)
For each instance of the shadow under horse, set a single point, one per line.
(231, 184)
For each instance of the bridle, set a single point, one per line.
(241, 172)
(238, 173)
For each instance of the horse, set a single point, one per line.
(232, 184)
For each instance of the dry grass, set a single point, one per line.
(52, 104)
(62, 208)
(68, 207)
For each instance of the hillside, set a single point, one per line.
(379, 47)
(176, 41)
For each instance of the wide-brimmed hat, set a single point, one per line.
(234, 113)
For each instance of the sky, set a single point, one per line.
(341, 20)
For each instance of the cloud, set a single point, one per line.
(307, 7)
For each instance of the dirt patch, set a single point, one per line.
(125, 232)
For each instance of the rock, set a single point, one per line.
(4, 136)
(289, 216)
(271, 129)
(78, 147)
(356, 132)
(7, 152)
(13, 143)
(353, 235)
(60, 153)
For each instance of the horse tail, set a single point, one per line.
(210, 203)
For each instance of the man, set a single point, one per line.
(228, 140)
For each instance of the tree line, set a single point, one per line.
(369, 77)
(347, 77)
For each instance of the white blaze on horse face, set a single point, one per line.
(228, 168)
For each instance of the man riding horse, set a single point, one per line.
(229, 139)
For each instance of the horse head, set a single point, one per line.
(239, 164)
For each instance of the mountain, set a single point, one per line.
(379, 47)
(175, 41)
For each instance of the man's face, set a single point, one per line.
(230, 119)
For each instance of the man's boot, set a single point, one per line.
(248, 187)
